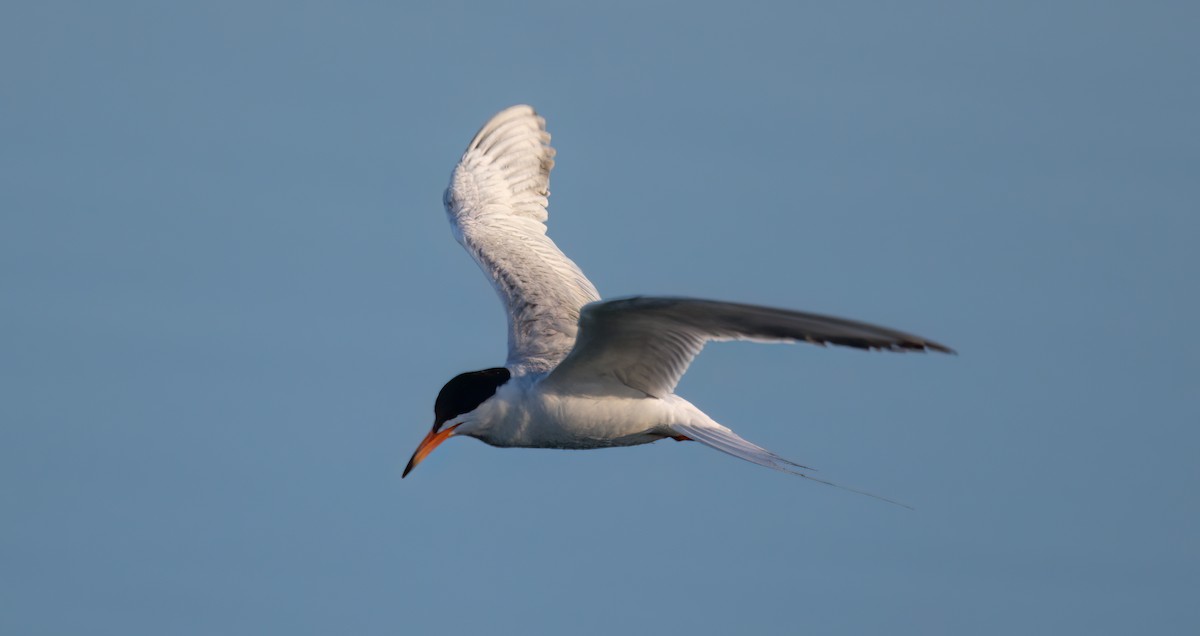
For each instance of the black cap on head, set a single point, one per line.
(466, 392)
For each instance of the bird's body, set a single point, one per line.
(525, 413)
(584, 373)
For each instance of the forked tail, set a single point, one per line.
(726, 441)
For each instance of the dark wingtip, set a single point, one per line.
(910, 346)
(940, 348)
(920, 345)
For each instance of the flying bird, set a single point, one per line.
(583, 372)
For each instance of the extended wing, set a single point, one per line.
(497, 202)
(647, 343)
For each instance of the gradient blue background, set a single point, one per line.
(230, 296)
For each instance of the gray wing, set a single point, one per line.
(647, 343)
(496, 203)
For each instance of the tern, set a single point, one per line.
(582, 372)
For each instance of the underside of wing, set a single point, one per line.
(496, 203)
(647, 343)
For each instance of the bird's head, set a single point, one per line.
(455, 406)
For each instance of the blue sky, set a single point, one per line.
(230, 296)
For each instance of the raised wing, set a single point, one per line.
(497, 207)
(647, 343)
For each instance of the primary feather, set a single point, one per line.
(647, 343)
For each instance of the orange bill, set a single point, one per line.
(426, 447)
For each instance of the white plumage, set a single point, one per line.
(497, 207)
(584, 373)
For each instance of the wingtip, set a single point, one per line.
(515, 111)
(917, 345)
(526, 107)
(940, 348)
(504, 118)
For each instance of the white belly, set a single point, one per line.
(522, 415)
